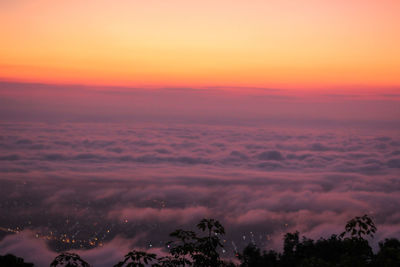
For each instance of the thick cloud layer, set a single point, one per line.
(116, 186)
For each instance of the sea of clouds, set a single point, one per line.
(147, 179)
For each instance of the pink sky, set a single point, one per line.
(41, 102)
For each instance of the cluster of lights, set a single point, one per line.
(64, 238)
(98, 242)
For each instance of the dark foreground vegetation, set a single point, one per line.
(188, 248)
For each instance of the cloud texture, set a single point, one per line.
(139, 182)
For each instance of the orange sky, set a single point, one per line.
(280, 44)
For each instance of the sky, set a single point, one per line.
(141, 117)
(34, 102)
(307, 44)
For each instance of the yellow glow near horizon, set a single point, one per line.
(285, 44)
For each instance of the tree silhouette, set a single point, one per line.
(137, 259)
(252, 257)
(203, 251)
(389, 253)
(336, 250)
(359, 227)
(11, 260)
(69, 260)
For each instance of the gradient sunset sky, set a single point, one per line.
(145, 116)
(350, 45)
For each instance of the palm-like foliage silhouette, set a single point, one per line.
(69, 260)
(358, 227)
(201, 250)
(137, 259)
